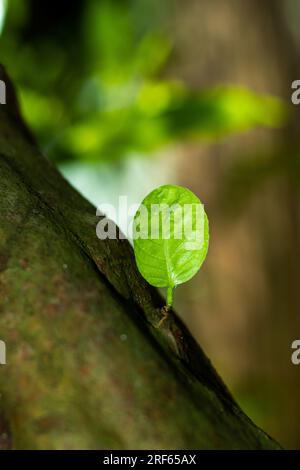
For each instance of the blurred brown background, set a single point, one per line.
(244, 305)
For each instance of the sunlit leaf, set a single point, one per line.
(170, 236)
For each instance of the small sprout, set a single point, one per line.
(170, 235)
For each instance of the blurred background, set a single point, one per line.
(126, 95)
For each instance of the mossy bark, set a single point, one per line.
(86, 366)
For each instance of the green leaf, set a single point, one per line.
(170, 235)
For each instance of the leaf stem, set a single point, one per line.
(169, 296)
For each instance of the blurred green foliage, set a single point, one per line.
(90, 76)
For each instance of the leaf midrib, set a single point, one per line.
(168, 262)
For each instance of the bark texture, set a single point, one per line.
(86, 367)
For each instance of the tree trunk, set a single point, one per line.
(86, 367)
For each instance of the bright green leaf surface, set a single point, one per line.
(171, 235)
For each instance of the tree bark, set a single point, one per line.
(86, 366)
